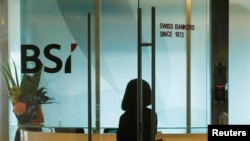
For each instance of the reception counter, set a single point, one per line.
(47, 136)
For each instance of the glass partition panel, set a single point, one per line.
(239, 67)
(57, 32)
(54, 32)
(118, 57)
(200, 66)
(171, 64)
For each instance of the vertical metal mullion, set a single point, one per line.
(188, 86)
(153, 75)
(89, 81)
(139, 88)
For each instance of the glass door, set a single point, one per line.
(182, 61)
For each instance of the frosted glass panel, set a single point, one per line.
(200, 65)
(64, 23)
(239, 66)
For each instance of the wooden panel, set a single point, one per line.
(182, 137)
(43, 136)
(40, 136)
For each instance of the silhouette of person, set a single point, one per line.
(127, 130)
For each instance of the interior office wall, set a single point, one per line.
(4, 118)
(64, 22)
(239, 66)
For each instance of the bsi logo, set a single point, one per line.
(25, 58)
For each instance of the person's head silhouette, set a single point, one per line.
(130, 97)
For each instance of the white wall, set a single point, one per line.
(3, 57)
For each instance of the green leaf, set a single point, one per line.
(17, 82)
(5, 70)
(29, 84)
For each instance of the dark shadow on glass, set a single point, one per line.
(110, 130)
(69, 130)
